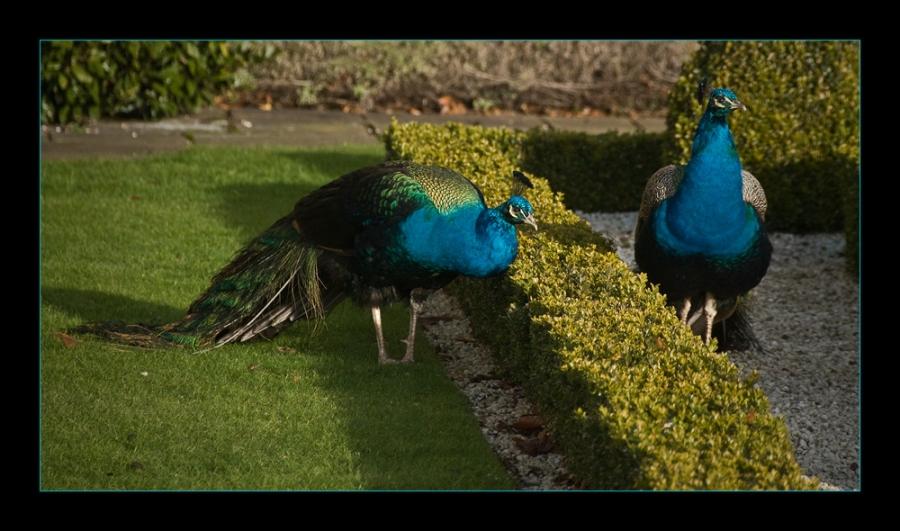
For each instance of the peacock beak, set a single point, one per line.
(529, 220)
(738, 105)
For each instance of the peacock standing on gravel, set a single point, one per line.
(393, 231)
(700, 232)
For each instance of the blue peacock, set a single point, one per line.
(394, 231)
(700, 232)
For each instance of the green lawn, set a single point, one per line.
(137, 240)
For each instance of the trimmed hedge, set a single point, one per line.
(148, 80)
(595, 172)
(800, 136)
(635, 400)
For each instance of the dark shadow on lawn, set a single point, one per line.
(252, 207)
(408, 424)
(91, 306)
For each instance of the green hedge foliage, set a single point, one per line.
(605, 172)
(800, 135)
(635, 400)
(147, 80)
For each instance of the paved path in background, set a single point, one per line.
(283, 127)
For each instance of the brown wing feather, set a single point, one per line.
(754, 194)
(660, 186)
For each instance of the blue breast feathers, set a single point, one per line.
(707, 214)
(471, 240)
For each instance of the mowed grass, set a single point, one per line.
(136, 240)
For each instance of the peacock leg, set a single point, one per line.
(685, 310)
(694, 316)
(709, 308)
(416, 302)
(379, 336)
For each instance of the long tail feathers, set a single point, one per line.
(272, 282)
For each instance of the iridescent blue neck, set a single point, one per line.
(707, 212)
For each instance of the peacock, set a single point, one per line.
(393, 231)
(700, 233)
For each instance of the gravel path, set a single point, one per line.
(509, 422)
(805, 313)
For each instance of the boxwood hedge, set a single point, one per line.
(634, 399)
(605, 172)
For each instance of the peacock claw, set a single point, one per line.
(387, 361)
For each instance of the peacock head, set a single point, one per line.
(518, 210)
(722, 101)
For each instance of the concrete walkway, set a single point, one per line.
(283, 127)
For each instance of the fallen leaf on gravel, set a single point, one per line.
(529, 423)
(534, 445)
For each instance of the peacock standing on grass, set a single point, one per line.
(700, 232)
(393, 231)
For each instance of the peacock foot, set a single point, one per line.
(410, 350)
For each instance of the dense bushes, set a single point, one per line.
(612, 77)
(147, 80)
(800, 134)
(604, 172)
(635, 400)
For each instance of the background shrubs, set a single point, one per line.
(635, 400)
(538, 76)
(605, 172)
(146, 80)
